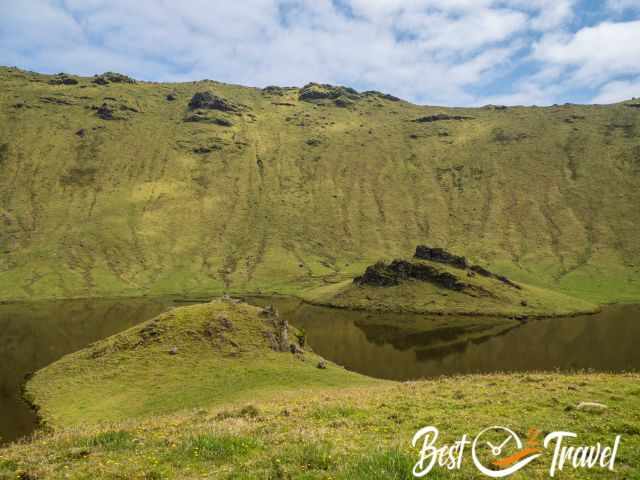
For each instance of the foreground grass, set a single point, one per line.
(351, 433)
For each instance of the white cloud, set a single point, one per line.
(466, 33)
(432, 51)
(595, 53)
(546, 14)
(525, 93)
(618, 91)
(257, 42)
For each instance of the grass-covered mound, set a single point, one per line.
(436, 281)
(195, 356)
(358, 433)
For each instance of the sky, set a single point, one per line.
(436, 52)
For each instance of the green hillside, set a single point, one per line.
(110, 187)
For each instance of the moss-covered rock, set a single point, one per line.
(112, 77)
(63, 79)
(323, 94)
(210, 101)
(439, 117)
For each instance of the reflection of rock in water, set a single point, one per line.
(436, 353)
(404, 338)
(433, 343)
(405, 347)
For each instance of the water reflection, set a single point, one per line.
(404, 347)
(392, 346)
(32, 335)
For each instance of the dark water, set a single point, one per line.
(605, 342)
(32, 335)
(400, 347)
(407, 347)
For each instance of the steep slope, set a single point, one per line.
(436, 281)
(109, 187)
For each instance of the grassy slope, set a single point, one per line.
(487, 296)
(353, 433)
(133, 374)
(547, 196)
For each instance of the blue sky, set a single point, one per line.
(445, 52)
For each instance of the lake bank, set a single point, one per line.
(398, 347)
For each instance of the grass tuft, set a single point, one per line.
(112, 440)
(384, 465)
(217, 448)
(317, 456)
(334, 412)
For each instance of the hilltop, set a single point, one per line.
(110, 187)
(435, 281)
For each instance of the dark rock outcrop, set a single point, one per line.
(105, 112)
(440, 255)
(316, 91)
(383, 275)
(438, 117)
(223, 122)
(495, 107)
(344, 97)
(274, 90)
(279, 335)
(205, 150)
(384, 96)
(481, 271)
(62, 79)
(323, 94)
(112, 77)
(506, 281)
(210, 101)
(378, 275)
(203, 118)
(4, 152)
